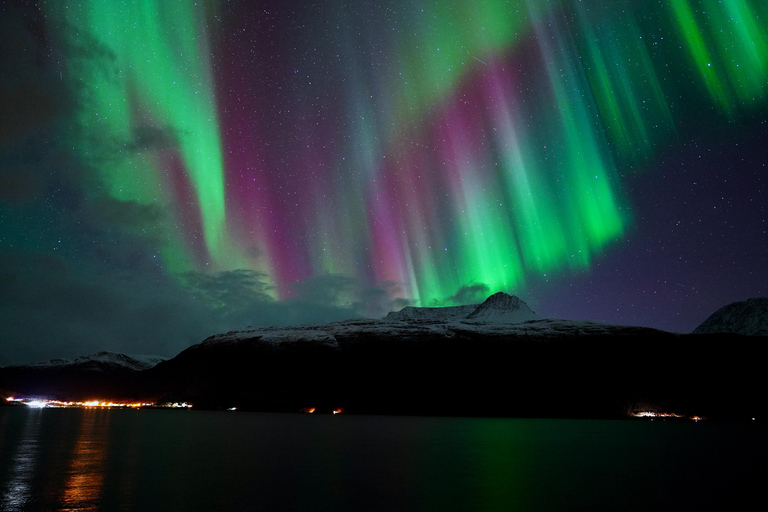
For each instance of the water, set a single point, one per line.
(157, 460)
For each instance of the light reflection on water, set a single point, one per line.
(79, 460)
(17, 491)
(85, 476)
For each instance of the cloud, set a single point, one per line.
(240, 298)
(377, 301)
(355, 296)
(333, 289)
(52, 308)
(229, 290)
(469, 294)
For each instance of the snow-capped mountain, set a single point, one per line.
(503, 308)
(444, 314)
(495, 358)
(498, 308)
(749, 317)
(341, 335)
(103, 360)
(101, 375)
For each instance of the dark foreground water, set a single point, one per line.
(156, 460)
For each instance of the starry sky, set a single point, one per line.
(174, 169)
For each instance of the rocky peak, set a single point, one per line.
(501, 300)
(502, 307)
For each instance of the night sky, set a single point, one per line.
(174, 169)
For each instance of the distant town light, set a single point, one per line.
(653, 414)
(105, 404)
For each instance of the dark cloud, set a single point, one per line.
(65, 306)
(469, 294)
(326, 289)
(231, 290)
(51, 308)
(377, 301)
(349, 294)
(240, 298)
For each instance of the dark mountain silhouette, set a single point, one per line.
(429, 366)
(749, 317)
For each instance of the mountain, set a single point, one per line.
(498, 308)
(492, 362)
(536, 368)
(502, 308)
(464, 367)
(443, 314)
(101, 375)
(103, 361)
(749, 318)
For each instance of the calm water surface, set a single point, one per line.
(156, 460)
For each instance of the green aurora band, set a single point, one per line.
(431, 145)
(143, 70)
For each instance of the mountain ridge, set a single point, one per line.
(748, 317)
(100, 361)
(429, 366)
(500, 307)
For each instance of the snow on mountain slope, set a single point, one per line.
(499, 307)
(504, 308)
(335, 334)
(438, 314)
(501, 315)
(103, 360)
(748, 317)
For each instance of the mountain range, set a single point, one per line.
(497, 358)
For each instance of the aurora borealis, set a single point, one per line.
(366, 155)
